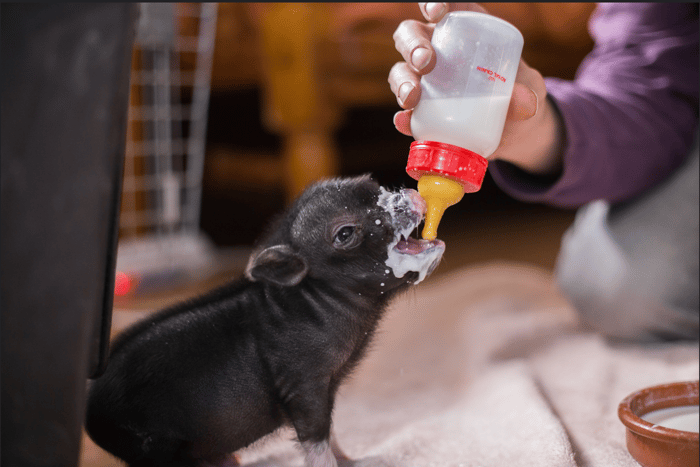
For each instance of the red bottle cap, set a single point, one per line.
(459, 164)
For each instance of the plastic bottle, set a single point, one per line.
(459, 119)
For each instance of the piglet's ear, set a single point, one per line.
(277, 265)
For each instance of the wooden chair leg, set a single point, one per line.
(294, 103)
(308, 156)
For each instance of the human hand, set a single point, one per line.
(532, 136)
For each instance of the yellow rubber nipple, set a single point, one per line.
(439, 193)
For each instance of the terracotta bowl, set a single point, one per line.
(653, 445)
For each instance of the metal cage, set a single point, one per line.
(159, 236)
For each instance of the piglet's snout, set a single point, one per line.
(415, 199)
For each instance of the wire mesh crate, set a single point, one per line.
(159, 238)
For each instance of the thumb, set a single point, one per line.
(523, 103)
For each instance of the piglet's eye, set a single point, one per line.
(346, 236)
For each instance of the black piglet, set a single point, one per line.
(192, 384)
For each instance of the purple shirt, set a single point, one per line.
(630, 114)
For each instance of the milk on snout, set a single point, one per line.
(399, 263)
(470, 122)
(684, 418)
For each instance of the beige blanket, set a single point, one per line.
(486, 367)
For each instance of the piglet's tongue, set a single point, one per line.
(412, 246)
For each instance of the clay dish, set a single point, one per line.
(654, 445)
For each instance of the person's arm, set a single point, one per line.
(623, 125)
(630, 115)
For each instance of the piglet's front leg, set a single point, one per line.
(310, 413)
(319, 454)
(316, 453)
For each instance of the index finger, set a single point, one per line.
(434, 12)
(412, 36)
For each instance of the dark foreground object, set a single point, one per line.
(65, 83)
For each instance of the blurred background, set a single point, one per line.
(266, 98)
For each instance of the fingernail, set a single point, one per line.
(402, 120)
(434, 10)
(404, 91)
(420, 58)
(537, 101)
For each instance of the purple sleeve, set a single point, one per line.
(631, 113)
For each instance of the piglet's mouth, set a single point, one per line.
(405, 253)
(412, 246)
(412, 255)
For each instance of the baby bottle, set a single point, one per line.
(459, 119)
